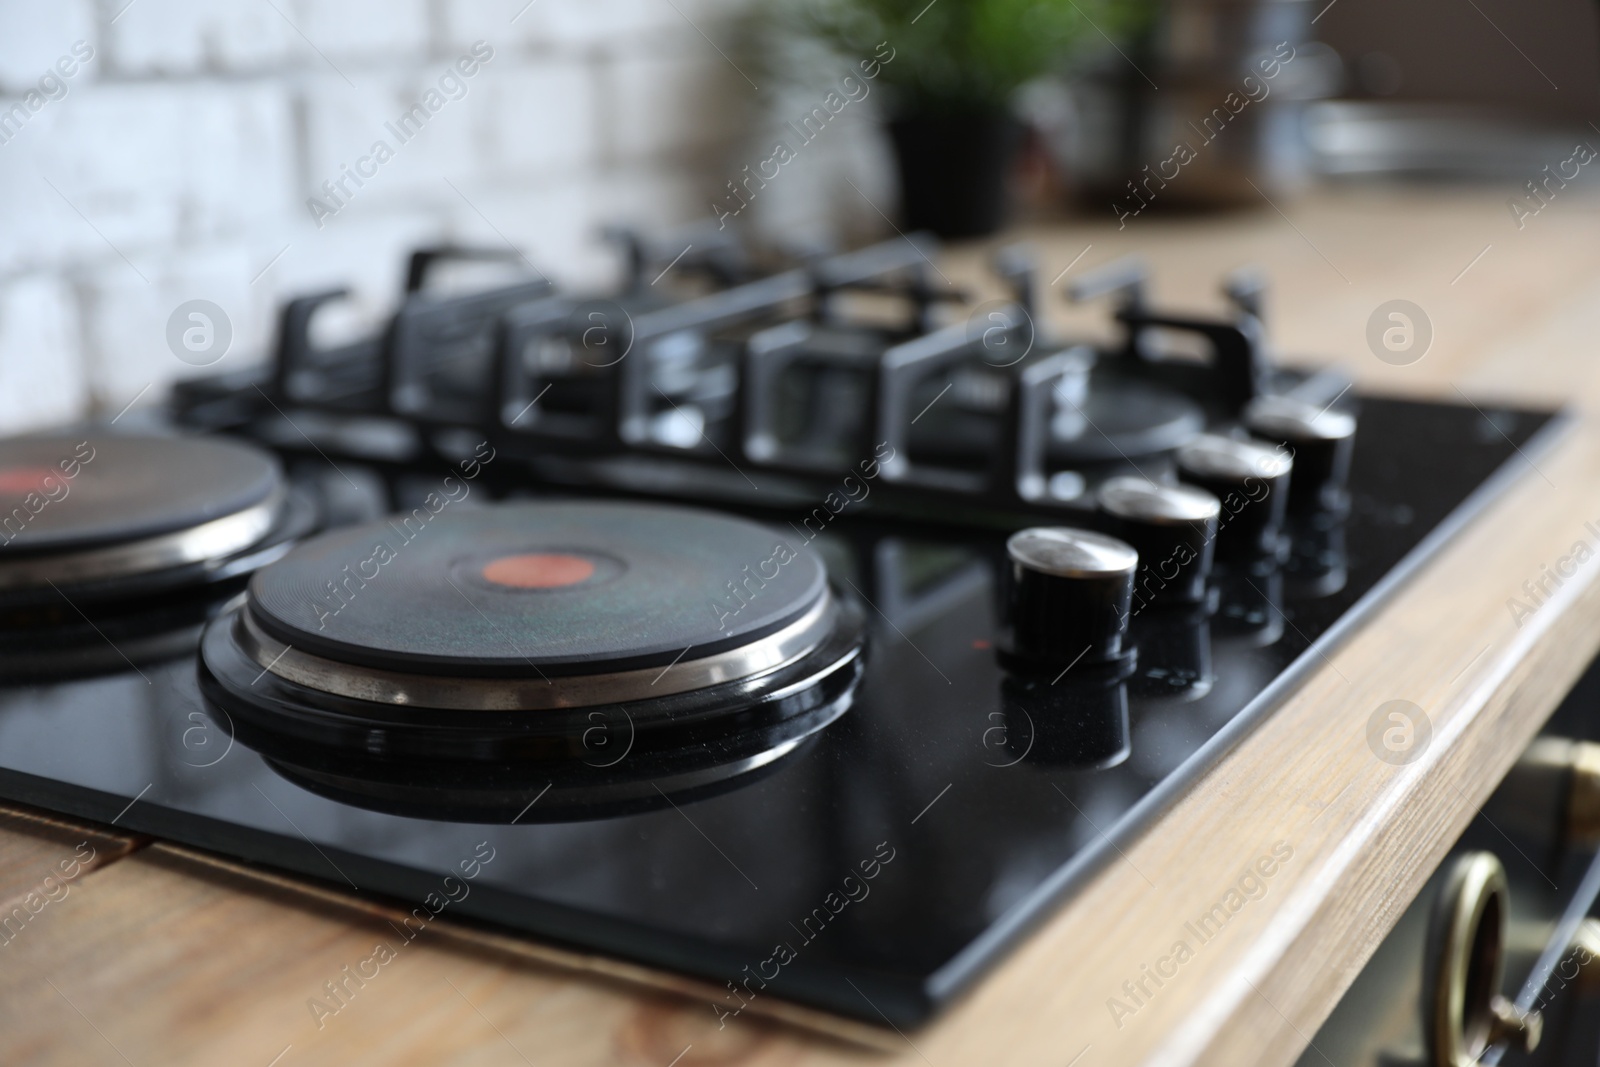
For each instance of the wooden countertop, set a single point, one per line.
(158, 955)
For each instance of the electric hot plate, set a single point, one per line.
(129, 537)
(618, 653)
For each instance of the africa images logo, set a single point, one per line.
(1251, 884)
(1399, 732)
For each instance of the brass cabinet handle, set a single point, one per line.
(1463, 1011)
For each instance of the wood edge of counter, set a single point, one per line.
(508, 946)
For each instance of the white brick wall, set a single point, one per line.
(666, 102)
(377, 31)
(36, 317)
(124, 317)
(28, 46)
(176, 37)
(542, 120)
(176, 162)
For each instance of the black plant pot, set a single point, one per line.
(955, 168)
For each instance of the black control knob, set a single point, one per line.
(1069, 596)
(1173, 528)
(1251, 479)
(1321, 441)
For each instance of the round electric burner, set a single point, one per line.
(534, 591)
(94, 490)
(92, 516)
(558, 639)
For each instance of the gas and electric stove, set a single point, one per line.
(799, 629)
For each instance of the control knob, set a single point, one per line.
(1172, 527)
(1251, 480)
(1069, 595)
(1320, 440)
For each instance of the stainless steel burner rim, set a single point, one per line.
(212, 540)
(535, 693)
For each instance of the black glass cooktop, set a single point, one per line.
(873, 868)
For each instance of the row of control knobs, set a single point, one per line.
(1073, 591)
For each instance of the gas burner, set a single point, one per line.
(95, 519)
(1121, 420)
(526, 643)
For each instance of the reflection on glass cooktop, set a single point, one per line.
(872, 867)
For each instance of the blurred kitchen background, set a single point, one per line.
(154, 152)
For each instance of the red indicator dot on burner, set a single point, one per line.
(20, 480)
(538, 570)
(980, 643)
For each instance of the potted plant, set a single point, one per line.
(957, 64)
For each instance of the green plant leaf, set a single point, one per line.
(964, 53)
